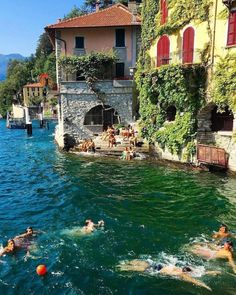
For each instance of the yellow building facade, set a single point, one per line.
(205, 37)
(211, 33)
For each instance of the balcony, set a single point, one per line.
(79, 51)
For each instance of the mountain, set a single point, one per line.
(4, 59)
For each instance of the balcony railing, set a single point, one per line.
(79, 51)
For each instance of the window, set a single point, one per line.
(164, 11)
(170, 113)
(120, 38)
(120, 69)
(231, 40)
(163, 51)
(222, 121)
(188, 45)
(79, 42)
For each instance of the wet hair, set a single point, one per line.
(11, 240)
(29, 228)
(186, 269)
(230, 243)
(158, 267)
(225, 226)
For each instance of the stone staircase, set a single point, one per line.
(101, 147)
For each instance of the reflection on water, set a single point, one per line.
(150, 212)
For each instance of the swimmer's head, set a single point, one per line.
(228, 245)
(186, 269)
(29, 230)
(87, 222)
(158, 267)
(223, 228)
(11, 245)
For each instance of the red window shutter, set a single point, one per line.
(163, 51)
(164, 11)
(231, 40)
(188, 45)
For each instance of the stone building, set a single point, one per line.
(82, 113)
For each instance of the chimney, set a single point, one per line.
(132, 5)
(59, 20)
(97, 4)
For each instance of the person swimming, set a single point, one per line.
(184, 273)
(9, 249)
(223, 253)
(28, 233)
(90, 226)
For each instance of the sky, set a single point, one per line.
(23, 21)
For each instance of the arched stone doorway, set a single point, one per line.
(100, 117)
(211, 121)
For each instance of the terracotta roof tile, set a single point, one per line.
(116, 15)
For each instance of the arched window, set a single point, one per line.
(170, 113)
(101, 115)
(163, 51)
(222, 121)
(164, 11)
(188, 45)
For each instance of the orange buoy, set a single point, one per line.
(41, 270)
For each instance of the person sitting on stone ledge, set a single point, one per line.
(111, 140)
(133, 140)
(84, 146)
(91, 145)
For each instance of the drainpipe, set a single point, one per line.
(64, 44)
(214, 36)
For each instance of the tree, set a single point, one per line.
(76, 11)
(44, 47)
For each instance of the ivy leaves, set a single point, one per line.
(224, 91)
(171, 85)
(90, 66)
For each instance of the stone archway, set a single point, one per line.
(222, 121)
(98, 118)
(211, 121)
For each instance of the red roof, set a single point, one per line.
(113, 16)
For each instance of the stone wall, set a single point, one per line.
(76, 99)
(221, 139)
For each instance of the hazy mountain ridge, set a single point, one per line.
(4, 59)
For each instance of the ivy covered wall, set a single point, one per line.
(174, 85)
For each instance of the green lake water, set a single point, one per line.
(150, 211)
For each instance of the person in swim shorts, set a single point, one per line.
(184, 273)
(223, 253)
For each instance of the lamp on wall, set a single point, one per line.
(132, 71)
(228, 3)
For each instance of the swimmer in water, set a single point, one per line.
(223, 233)
(90, 226)
(223, 253)
(9, 249)
(184, 273)
(27, 234)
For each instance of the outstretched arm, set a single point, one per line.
(212, 272)
(189, 279)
